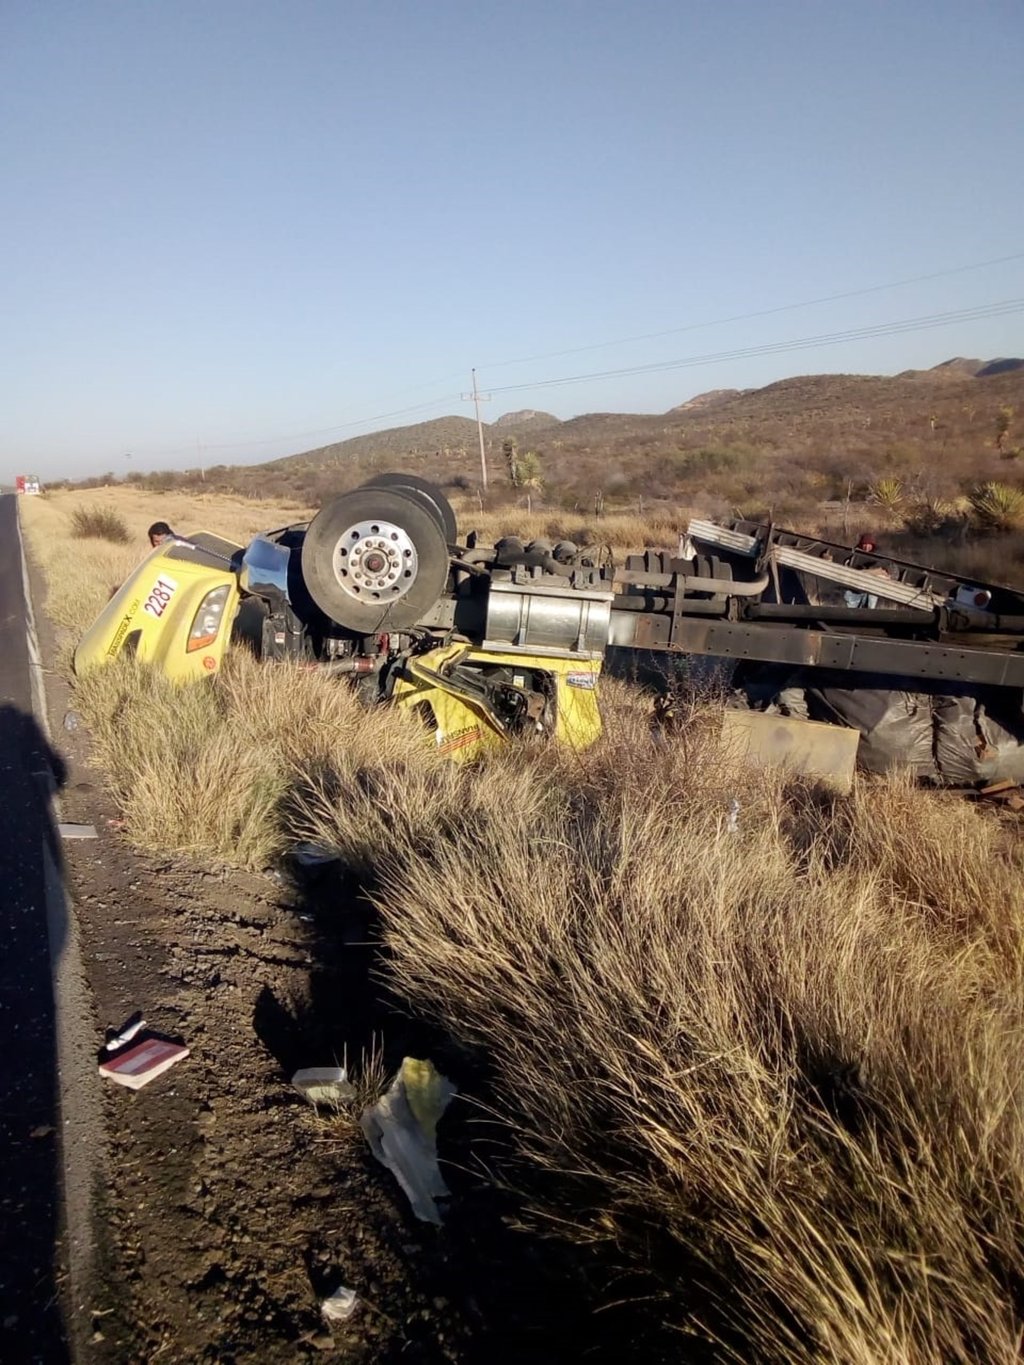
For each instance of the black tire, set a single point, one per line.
(359, 606)
(426, 490)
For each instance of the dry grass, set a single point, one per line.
(778, 1070)
(216, 770)
(101, 524)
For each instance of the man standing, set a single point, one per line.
(852, 598)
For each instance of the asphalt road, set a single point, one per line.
(31, 1326)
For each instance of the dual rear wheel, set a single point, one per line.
(376, 558)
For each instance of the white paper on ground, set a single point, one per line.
(323, 1084)
(341, 1304)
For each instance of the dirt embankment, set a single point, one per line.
(230, 1208)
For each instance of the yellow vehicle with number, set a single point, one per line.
(483, 644)
(175, 611)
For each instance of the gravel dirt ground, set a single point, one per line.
(227, 1207)
(231, 1207)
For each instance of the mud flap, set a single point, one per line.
(803, 747)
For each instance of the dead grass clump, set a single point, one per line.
(785, 1059)
(179, 774)
(233, 768)
(100, 523)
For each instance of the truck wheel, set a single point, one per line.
(375, 559)
(427, 493)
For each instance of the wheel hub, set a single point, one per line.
(375, 561)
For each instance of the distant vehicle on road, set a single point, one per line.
(26, 483)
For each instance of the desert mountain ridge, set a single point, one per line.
(796, 410)
(794, 443)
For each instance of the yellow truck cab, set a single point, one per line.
(175, 610)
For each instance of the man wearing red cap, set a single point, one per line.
(867, 545)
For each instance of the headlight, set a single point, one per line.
(206, 625)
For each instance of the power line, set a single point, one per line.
(1001, 309)
(759, 313)
(324, 431)
(991, 310)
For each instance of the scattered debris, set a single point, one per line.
(732, 824)
(126, 1033)
(807, 747)
(71, 720)
(77, 831)
(341, 1304)
(1004, 785)
(323, 1084)
(1006, 793)
(115, 822)
(42, 1130)
(143, 1062)
(401, 1129)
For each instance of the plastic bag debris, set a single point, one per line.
(401, 1129)
(323, 1084)
(71, 721)
(126, 1033)
(313, 855)
(732, 824)
(340, 1306)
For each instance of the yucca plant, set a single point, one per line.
(997, 506)
(887, 494)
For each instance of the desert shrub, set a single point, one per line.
(702, 463)
(99, 523)
(934, 516)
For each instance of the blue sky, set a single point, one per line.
(256, 226)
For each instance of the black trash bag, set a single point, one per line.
(895, 727)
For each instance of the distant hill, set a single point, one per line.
(961, 368)
(792, 408)
(708, 400)
(810, 438)
(527, 419)
(1005, 366)
(442, 436)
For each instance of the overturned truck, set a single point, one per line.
(484, 643)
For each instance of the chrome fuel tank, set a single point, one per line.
(549, 615)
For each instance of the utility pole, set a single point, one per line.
(199, 457)
(477, 398)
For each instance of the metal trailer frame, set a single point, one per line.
(753, 592)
